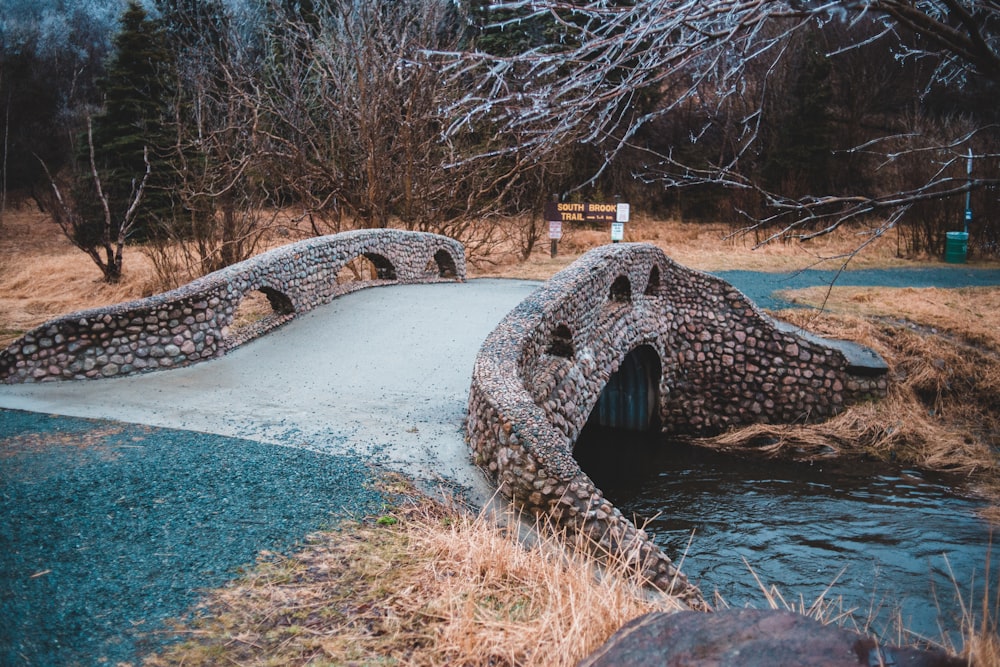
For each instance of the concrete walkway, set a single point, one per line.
(383, 373)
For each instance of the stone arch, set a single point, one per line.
(280, 302)
(561, 342)
(367, 266)
(621, 290)
(445, 263)
(653, 283)
(257, 312)
(384, 268)
(630, 400)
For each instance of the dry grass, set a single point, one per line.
(424, 585)
(971, 313)
(980, 629)
(42, 275)
(708, 247)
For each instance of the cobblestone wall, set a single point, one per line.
(724, 363)
(193, 322)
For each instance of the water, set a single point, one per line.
(887, 542)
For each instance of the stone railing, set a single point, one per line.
(724, 363)
(194, 322)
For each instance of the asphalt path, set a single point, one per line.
(148, 489)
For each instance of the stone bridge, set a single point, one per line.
(624, 338)
(195, 322)
(632, 340)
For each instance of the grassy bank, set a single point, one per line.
(424, 584)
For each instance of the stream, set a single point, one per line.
(892, 546)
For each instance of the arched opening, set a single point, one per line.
(561, 342)
(443, 264)
(621, 290)
(280, 303)
(630, 400)
(653, 284)
(623, 430)
(369, 266)
(257, 313)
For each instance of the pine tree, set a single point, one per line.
(136, 90)
(798, 159)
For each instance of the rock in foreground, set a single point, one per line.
(750, 638)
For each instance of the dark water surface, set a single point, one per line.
(888, 540)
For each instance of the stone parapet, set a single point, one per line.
(193, 323)
(724, 363)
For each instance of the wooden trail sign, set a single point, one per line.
(574, 212)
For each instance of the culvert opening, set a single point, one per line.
(366, 267)
(622, 433)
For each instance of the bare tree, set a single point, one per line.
(356, 114)
(353, 111)
(703, 55)
(223, 205)
(107, 250)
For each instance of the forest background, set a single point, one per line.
(194, 129)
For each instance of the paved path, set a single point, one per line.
(383, 373)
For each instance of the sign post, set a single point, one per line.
(618, 226)
(617, 231)
(968, 193)
(555, 233)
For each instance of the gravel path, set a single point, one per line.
(110, 528)
(107, 527)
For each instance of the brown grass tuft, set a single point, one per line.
(424, 585)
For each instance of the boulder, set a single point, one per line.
(750, 638)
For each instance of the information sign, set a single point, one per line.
(622, 212)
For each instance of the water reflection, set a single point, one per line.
(888, 539)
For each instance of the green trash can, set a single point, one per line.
(956, 247)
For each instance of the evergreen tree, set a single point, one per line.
(799, 153)
(130, 129)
